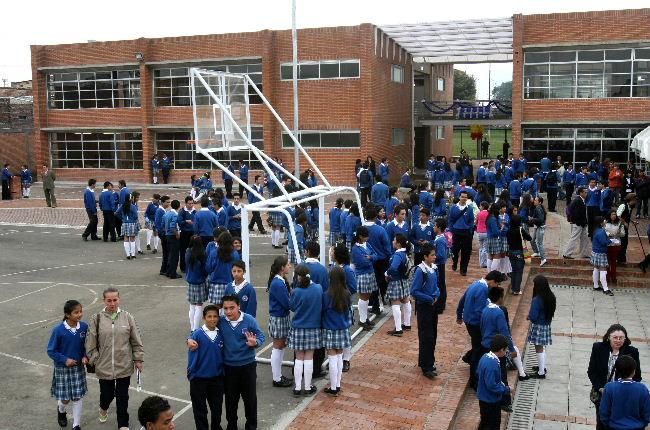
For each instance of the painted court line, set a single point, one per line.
(27, 294)
(69, 265)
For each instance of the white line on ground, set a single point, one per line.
(35, 322)
(70, 265)
(27, 294)
(182, 411)
(24, 224)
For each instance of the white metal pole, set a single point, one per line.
(245, 248)
(321, 231)
(294, 42)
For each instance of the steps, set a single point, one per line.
(579, 272)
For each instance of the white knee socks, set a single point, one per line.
(406, 314)
(518, 363)
(363, 310)
(137, 243)
(156, 241)
(76, 412)
(603, 279)
(155, 179)
(275, 237)
(397, 316)
(541, 359)
(132, 248)
(61, 406)
(506, 267)
(309, 371)
(340, 371)
(334, 370)
(149, 235)
(127, 248)
(594, 277)
(298, 366)
(191, 317)
(347, 354)
(277, 356)
(496, 263)
(198, 316)
(489, 264)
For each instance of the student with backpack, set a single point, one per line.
(363, 255)
(365, 183)
(491, 389)
(398, 289)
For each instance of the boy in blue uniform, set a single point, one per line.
(490, 388)
(379, 192)
(205, 221)
(241, 288)
(243, 175)
(625, 403)
(26, 181)
(172, 238)
(90, 203)
(258, 187)
(420, 235)
(593, 205)
(335, 221)
(186, 217)
(442, 254)
(149, 222)
(107, 206)
(234, 216)
(384, 170)
(569, 180)
(160, 228)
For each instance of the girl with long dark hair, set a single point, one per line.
(219, 266)
(195, 275)
(542, 310)
(279, 322)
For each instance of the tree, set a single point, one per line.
(464, 86)
(503, 91)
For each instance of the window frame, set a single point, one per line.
(400, 73)
(88, 145)
(319, 63)
(70, 85)
(320, 140)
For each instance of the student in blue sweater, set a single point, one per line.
(336, 322)
(297, 255)
(491, 389)
(160, 229)
(234, 216)
(335, 222)
(149, 223)
(305, 332)
(424, 290)
(420, 235)
(599, 243)
(514, 188)
(542, 310)
(593, 205)
(352, 222)
(345, 211)
(406, 181)
(398, 288)
(127, 213)
(279, 321)
(220, 209)
(392, 201)
(439, 206)
(379, 192)
(205, 221)
(107, 206)
(461, 224)
(219, 266)
(442, 254)
(398, 225)
(625, 403)
(67, 349)
(341, 257)
(363, 255)
(90, 203)
(205, 370)
(186, 218)
(241, 288)
(384, 170)
(196, 275)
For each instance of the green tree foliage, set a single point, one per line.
(464, 86)
(502, 91)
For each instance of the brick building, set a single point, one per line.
(16, 125)
(97, 108)
(581, 83)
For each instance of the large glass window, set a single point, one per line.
(331, 69)
(93, 89)
(596, 73)
(397, 73)
(325, 139)
(172, 85)
(178, 146)
(578, 145)
(103, 150)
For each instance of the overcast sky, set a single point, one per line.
(45, 23)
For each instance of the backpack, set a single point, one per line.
(364, 178)
(405, 268)
(551, 178)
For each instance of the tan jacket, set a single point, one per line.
(120, 345)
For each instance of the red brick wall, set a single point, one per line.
(585, 28)
(442, 146)
(15, 149)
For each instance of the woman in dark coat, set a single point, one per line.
(603, 357)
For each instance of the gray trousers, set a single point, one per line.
(578, 242)
(50, 199)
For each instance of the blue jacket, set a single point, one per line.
(606, 200)
(442, 249)
(600, 241)
(480, 175)
(515, 189)
(352, 222)
(625, 405)
(166, 163)
(379, 194)
(259, 189)
(335, 220)
(6, 174)
(333, 319)
(279, 300)
(226, 177)
(582, 180)
(593, 197)
(508, 174)
(205, 222)
(439, 177)
(247, 298)
(425, 199)
(124, 193)
(158, 220)
(150, 212)
(536, 313)
(431, 164)
(26, 177)
(545, 164)
(469, 190)
(529, 186)
(300, 237)
(243, 172)
(406, 181)
(569, 176)
(417, 234)
(393, 229)
(384, 172)
(184, 216)
(90, 202)
(492, 227)
(493, 322)
(490, 177)
(106, 201)
(342, 217)
(194, 273)
(318, 273)
(207, 360)
(359, 257)
(379, 241)
(170, 221)
(440, 209)
(234, 223)
(131, 217)
(474, 301)
(350, 279)
(220, 271)
(236, 351)
(490, 388)
(461, 221)
(222, 216)
(397, 266)
(306, 305)
(424, 287)
(390, 205)
(155, 164)
(64, 344)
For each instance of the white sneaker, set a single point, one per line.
(535, 254)
(543, 262)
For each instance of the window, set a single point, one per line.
(330, 69)
(175, 144)
(172, 85)
(441, 84)
(399, 136)
(397, 74)
(440, 132)
(103, 150)
(597, 73)
(93, 89)
(325, 139)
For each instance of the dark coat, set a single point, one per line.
(597, 370)
(578, 211)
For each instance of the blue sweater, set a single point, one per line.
(493, 322)
(306, 305)
(150, 212)
(536, 313)
(247, 298)
(131, 217)
(392, 229)
(490, 177)
(440, 209)
(480, 175)
(569, 177)
(234, 223)
(106, 201)
(442, 249)
(490, 388)
(469, 190)
(625, 405)
(207, 360)
(389, 207)
(396, 267)
(184, 216)
(582, 180)
(458, 222)
(333, 319)
(318, 273)
(335, 220)
(384, 172)
(493, 229)
(418, 233)
(90, 202)
(170, 222)
(194, 273)
(475, 300)
(342, 217)
(600, 241)
(515, 189)
(359, 257)
(300, 237)
(205, 221)
(350, 279)
(158, 220)
(406, 181)
(352, 222)
(593, 197)
(379, 241)
(64, 344)
(425, 199)
(425, 285)
(379, 194)
(219, 270)
(279, 301)
(235, 350)
(222, 216)
(124, 193)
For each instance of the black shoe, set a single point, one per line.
(297, 393)
(537, 376)
(346, 365)
(62, 418)
(128, 257)
(105, 240)
(85, 238)
(283, 382)
(642, 267)
(155, 251)
(365, 325)
(376, 311)
(536, 369)
(430, 374)
(397, 333)
(598, 289)
(133, 257)
(163, 273)
(463, 273)
(454, 266)
(148, 247)
(140, 252)
(331, 392)
(608, 293)
(113, 240)
(466, 357)
(526, 377)
(285, 243)
(263, 232)
(95, 238)
(406, 327)
(506, 408)
(121, 238)
(174, 276)
(567, 257)
(76, 428)
(311, 391)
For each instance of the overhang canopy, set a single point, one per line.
(471, 41)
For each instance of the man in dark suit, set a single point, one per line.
(48, 186)
(579, 240)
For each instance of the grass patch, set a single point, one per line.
(469, 145)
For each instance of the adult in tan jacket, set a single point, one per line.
(115, 352)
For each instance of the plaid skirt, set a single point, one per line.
(334, 238)
(599, 259)
(397, 290)
(336, 339)
(540, 334)
(130, 229)
(493, 245)
(348, 244)
(302, 339)
(438, 185)
(216, 293)
(447, 185)
(197, 293)
(279, 327)
(366, 283)
(292, 255)
(275, 218)
(504, 245)
(149, 225)
(69, 383)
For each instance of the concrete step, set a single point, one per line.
(631, 266)
(631, 273)
(559, 279)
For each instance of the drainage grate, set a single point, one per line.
(526, 396)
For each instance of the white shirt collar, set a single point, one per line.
(239, 287)
(212, 334)
(483, 281)
(461, 206)
(280, 277)
(369, 223)
(311, 260)
(190, 211)
(427, 268)
(493, 355)
(238, 320)
(400, 250)
(399, 225)
(364, 245)
(423, 226)
(237, 206)
(492, 305)
(220, 209)
(204, 209)
(173, 210)
(72, 329)
(90, 189)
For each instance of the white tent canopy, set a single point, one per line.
(641, 144)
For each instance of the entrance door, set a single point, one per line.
(422, 146)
